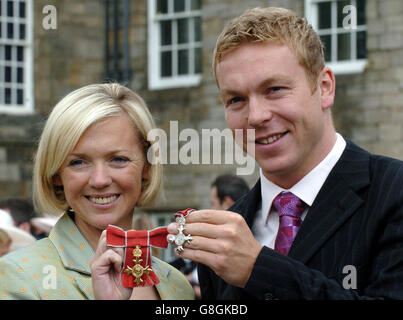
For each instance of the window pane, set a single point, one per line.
(20, 96)
(10, 9)
(22, 9)
(20, 75)
(166, 34)
(162, 6)
(361, 12)
(343, 47)
(20, 53)
(183, 61)
(198, 31)
(166, 64)
(22, 31)
(8, 50)
(324, 15)
(10, 30)
(327, 46)
(7, 96)
(179, 5)
(198, 60)
(195, 4)
(7, 74)
(183, 31)
(361, 45)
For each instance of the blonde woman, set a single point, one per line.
(91, 164)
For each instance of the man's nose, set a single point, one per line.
(100, 176)
(258, 112)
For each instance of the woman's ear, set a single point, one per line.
(57, 181)
(327, 83)
(146, 172)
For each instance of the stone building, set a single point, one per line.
(163, 49)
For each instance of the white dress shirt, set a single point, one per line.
(306, 189)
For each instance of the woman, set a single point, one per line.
(91, 164)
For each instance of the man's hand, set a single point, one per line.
(222, 241)
(105, 272)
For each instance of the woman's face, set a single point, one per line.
(102, 176)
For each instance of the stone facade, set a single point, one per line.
(368, 108)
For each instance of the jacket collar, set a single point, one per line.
(337, 200)
(74, 250)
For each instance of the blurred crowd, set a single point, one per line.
(20, 225)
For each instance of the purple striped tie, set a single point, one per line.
(290, 209)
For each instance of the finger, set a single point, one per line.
(205, 244)
(101, 247)
(212, 216)
(109, 258)
(208, 230)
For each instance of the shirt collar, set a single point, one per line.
(308, 187)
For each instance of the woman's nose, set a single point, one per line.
(100, 177)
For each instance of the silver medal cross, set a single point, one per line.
(181, 239)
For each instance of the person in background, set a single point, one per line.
(22, 211)
(11, 237)
(226, 189)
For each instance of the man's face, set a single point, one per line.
(214, 200)
(263, 87)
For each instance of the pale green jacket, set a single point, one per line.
(58, 268)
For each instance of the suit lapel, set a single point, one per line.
(336, 202)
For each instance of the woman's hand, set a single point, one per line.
(105, 272)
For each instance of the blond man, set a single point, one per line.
(325, 219)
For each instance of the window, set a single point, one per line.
(174, 43)
(342, 28)
(16, 92)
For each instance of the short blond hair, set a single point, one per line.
(274, 25)
(68, 121)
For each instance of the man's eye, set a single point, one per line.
(234, 100)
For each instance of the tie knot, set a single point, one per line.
(288, 204)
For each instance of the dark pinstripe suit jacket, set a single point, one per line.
(356, 220)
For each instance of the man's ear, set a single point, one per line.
(327, 86)
(227, 202)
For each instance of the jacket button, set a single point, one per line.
(268, 296)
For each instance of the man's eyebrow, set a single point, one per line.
(275, 79)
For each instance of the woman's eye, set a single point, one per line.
(76, 163)
(120, 160)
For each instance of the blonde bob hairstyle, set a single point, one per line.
(67, 122)
(274, 25)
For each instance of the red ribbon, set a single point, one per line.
(184, 212)
(117, 237)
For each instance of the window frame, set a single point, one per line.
(28, 84)
(352, 66)
(155, 81)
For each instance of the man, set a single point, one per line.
(325, 220)
(226, 189)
